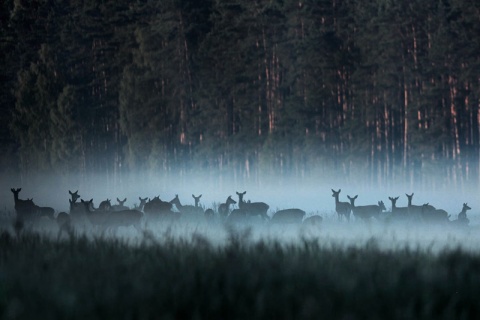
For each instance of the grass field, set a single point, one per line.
(200, 271)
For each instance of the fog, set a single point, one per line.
(315, 198)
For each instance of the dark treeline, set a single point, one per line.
(244, 89)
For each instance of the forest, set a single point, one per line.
(242, 90)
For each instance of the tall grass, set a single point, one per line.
(81, 277)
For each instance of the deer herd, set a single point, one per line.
(107, 216)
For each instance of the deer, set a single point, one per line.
(105, 205)
(106, 218)
(253, 208)
(97, 217)
(368, 211)
(414, 210)
(462, 216)
(64, 222)
(209, 214)
(237, 216)
(27, 209)
(187, 209)
(157, 208)
(430, 214)
(74, 205)
(342, 208)
(197, 200)
(288, 216)
(120, 206)
(398, 212)
(314, 220)
(224, 208)
(142, 203)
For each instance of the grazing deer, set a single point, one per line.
(187, 209)
(120, 206)
(209, 214)
(156, 208)
(288, 216)
(342, 208)
(314, 220)
(237, 216)
(368, 211)
(64, 224)
(25, 209)
(430, 214)
(106, 219)
(105, 205)
(253, 208)
(224, 208)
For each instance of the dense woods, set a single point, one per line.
(242, 89)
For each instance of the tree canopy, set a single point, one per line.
(302, 89)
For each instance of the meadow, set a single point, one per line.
(196, 270)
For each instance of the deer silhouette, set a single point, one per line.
(462, 216)
(159, 209)
(288, 216)
(187, 209)
(25, 209)
(97, 217)
(253, 208)
(430, 214)
(120, 206)
(64, 222)
(368, 211)
(224, 208)
(417, 211)
(342, 208)
(398, 213)
(314, 220)
(142, 203)
(197, 200)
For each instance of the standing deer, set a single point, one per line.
(97, 217)
(120, 206)
(74, 205)
(187, 209)
(398, 213)
(224, 208)
(197, 200)
(342, 208)
(142, 203)
(417, 211)
(253, 208)
(368, 211)
(27, 209)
